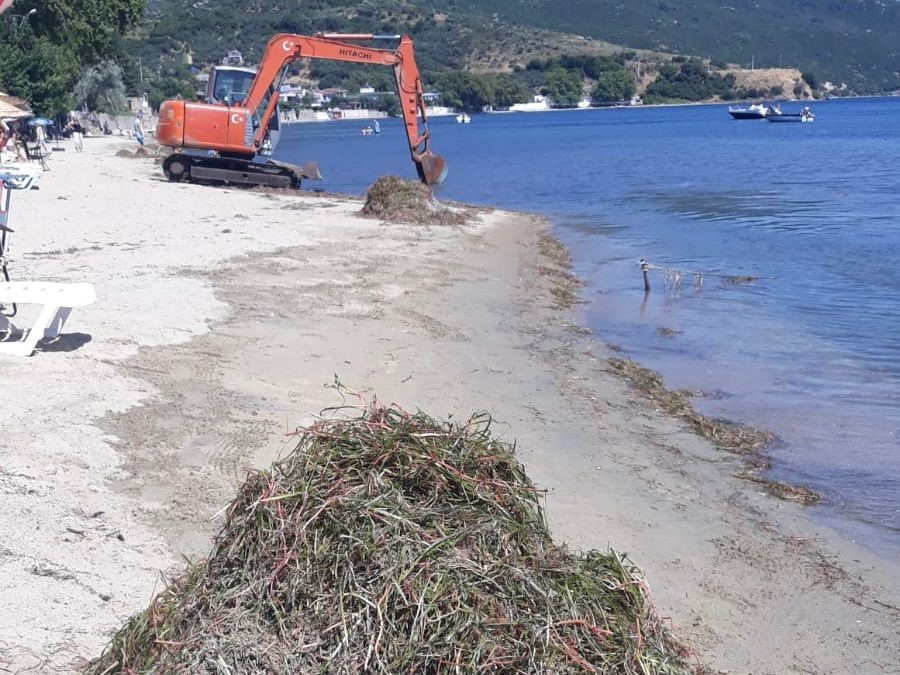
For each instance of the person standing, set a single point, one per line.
(77, 134)
(5, 135)
(138, 129)
(40, 135)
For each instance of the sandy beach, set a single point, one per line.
(222, 314)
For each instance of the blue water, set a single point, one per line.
(810, 351)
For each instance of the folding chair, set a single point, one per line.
(34, 153)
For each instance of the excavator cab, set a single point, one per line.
(230, 85)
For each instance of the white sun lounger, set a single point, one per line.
(57, 301)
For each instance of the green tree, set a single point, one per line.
(388, 104)
(35, 69)
(689, 80)
(563, 86)
(613, 85)
(467, 91)
(101, 88)
(42, 56)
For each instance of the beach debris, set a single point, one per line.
(789, 493)
(556, 265)
(665, 331)
(396, 200)
(674, 279)
(737, 279)
(139, 153)
(645, 267)
(390, 542)
(740, 439)
(735, 438)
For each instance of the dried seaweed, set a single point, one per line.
(739, 439)
(395, 543)
(565, 287)
(397, 200)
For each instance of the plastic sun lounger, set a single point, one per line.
(57, 302)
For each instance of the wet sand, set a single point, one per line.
(221, 316)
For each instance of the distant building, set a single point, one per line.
(136, 104)
(292, 92)
(536, 104)
(233, 58)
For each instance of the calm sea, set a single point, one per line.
(810, 350)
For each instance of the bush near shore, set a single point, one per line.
(391, 542)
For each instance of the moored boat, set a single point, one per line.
(805, 115)
(756, 111)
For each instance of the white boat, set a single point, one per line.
(757, 111)
(805, 115)
(463, 118)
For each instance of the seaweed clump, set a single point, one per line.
(740, 439)
(394, 543)
(397, 200)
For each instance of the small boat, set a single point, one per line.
(805, 115)
(463, 118)
(757, 111)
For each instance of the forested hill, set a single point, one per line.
(856, 42)
(210, 28)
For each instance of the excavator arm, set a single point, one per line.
(284, 48)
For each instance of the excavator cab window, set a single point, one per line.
(229, 85)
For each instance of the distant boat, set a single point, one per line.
(463, 118)
(805, 115)
(757, 111)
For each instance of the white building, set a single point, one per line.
(536, 104)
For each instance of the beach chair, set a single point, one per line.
(5, 229)
(35, 153)
(56, 300)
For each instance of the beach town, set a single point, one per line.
(253, 428)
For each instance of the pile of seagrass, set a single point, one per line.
(394, 543)
(404, 201)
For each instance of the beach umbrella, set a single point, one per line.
(9, 111)
(39, 122)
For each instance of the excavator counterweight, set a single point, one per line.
(227, 138)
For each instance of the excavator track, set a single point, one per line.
(232, 171)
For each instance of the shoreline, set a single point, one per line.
(172, 399)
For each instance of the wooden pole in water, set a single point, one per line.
(645, 266)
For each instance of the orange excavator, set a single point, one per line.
(228, 138)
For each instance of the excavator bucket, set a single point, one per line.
(310, 171)
(432, 169)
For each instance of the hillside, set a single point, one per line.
(844, 41)
(474, 58)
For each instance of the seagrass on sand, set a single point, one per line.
(397, 200)
(390, 542)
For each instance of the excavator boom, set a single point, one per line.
(235, 131)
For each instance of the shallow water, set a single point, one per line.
(810, 349)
